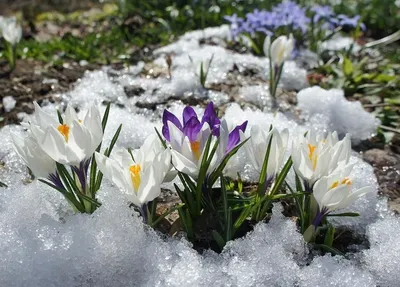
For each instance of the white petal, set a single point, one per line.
(183, 164)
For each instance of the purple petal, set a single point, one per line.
(234, 136)
(169, 117)
(188, 113)
(192, 128)
(211, 118)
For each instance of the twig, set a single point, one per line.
(379, 105)
(390, 129)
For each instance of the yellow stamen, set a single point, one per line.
(312, 156)
(346, 181)
(64, 130)
(135, 175)
(195, 146)
(335, 184)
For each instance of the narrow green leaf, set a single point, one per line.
(282, 175)
(350, 214)
(329, 236)
(263, 174)
(218, 171)
(105, 117)
(218, 238)
(163, 142)
(299, 208)
(60, 119)
(242, 217)
(332, 250)
(114, 140)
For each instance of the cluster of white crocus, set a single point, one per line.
(323, 165)
(139, 173)
(50, 141)
(11, 30)
(315, 156)
(334, 191)
(72, 141)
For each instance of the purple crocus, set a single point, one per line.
(234, 137)
(191, 125)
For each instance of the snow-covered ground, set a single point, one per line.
(43, 244)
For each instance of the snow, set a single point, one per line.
(9, 103)
(330, 110)
(42, 243)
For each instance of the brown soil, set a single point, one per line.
(35, 81)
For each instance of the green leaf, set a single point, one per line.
(60, 119)
(105, 117)
(282, 176)
(218, 238)
(218, 171)
(263, 174)
(350, 214)
(299, 208)
(163, 142)
(243, 216)
(329, 236)
(332, 250)
(347, 67)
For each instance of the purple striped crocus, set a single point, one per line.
(188, 137)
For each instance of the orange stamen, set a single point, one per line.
(195, 146)
(135, 175)
(64, 130)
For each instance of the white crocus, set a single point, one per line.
(71, 142)
(257, 146)
(186, 155)
(152, 147)
(333, 192)
(11, 30)
(281, 49)
(315, 156)
(267, 46)
(33, 156)
(141, 176)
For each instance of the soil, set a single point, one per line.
(35, 81)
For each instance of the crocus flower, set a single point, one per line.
(188, 139)
(33, 156)
(315, 156)
(72, 142)
(333, 192)
(257, 146)
(281, 49)
(228, 140)
(11, 30)
(140, 175)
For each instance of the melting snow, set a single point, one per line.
(43, 244)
